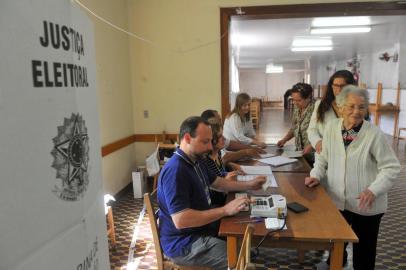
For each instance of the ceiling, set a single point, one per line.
(255, 43)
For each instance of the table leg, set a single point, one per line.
(336, 259)
(231, 251)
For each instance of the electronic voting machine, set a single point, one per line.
(271, 206)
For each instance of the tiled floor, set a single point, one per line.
(128, 215)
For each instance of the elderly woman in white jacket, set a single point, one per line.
(357, 167)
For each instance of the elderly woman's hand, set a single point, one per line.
(318, 147)
(307, 149)
(366, 198)
(311, 181)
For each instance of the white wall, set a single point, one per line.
(402, 68)
(374, 70)
(257, 83)
(114, 91)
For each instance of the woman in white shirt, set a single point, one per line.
(326, 109)
(357, 167)
(238, 125)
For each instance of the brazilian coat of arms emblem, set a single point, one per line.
(71, 158)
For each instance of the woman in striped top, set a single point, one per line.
(216, 161)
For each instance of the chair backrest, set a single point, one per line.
(155, 232)
(244, 258)
(155, 184)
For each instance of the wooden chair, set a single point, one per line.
(255, 111)
(164, 143)
(398, 137)
(155, 183)
(163, 263)
(321, 91)
(166, 140)
(111, 232)
(377, 108)
(244, 258)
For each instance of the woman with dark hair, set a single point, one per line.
(238, 125)
(302, 96)
(326, 109)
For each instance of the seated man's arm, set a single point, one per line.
(227, 185)
(194, 218)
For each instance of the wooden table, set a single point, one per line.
(320, 228)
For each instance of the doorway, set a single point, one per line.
(286, 12)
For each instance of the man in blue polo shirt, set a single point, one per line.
(186, 219)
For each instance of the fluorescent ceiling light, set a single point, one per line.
(340, 30)
(271, 68)
(311, 49)
(303, 42)
(341, 21)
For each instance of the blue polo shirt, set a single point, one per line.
(182, 184)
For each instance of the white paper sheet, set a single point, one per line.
(254, 171)
(270, 180)
(262, 170)
(292, 154)
(267, 155)
(278, 160)
(289, 147)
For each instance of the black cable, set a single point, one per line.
(255, 252)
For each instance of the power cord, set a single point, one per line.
(255, 251)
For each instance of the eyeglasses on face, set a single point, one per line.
(338, 85)
(352, 107)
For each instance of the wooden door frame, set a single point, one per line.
(292, 11)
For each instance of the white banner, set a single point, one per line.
(50, 161)
(78, 248)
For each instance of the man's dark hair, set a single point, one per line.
(207, 114)
(189, 125)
